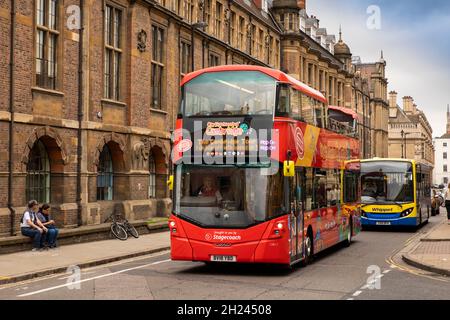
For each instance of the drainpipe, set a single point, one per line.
(11, 122)
(80, 116)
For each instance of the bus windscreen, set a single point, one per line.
(387, 182)
(227, 197)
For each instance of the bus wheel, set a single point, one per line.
(348, 241)
(309, 249)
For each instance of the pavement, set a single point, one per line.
(22, 266)
(432, 252)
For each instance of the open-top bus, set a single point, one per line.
(395, 192)
(257, 176)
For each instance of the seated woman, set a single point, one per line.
(52, 233)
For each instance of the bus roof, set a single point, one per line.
(412, 161)
(387, 159)
(346, 111)
(276, 74)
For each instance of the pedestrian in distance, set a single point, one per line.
(44, 217)
(30, 226)
(447, 202)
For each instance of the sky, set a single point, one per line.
(415, 38)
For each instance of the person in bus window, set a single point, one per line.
(370, 190)
(208, 189)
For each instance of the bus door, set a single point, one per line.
(297, 188)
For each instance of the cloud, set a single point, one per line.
(415, 41)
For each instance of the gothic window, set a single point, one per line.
(218, 27)
(113, 52)
(185, 58)
(233, 28)
(157, 66)
(105, 175)
(241, 33)
(208, 15)
(253, 41)
(260, 45)
(214, 60)
(38, 174)
(271, 49)
(46, 43)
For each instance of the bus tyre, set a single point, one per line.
(348, 241)
(309, 249)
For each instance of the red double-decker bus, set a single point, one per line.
(258, 176)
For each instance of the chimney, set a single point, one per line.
(392, 99)
(408, 107)
(301, 4)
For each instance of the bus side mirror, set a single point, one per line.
(170, 182)
(289, 169)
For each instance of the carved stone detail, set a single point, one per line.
(142, 40)
(140, 154)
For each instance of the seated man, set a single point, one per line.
(208, 189)
(31, 227)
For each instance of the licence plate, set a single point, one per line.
(383, 223)
(223, 258)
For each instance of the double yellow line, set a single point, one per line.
(390, 261)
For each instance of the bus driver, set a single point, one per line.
(208, 189)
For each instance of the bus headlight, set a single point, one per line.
(407, 212)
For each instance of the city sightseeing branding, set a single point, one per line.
(223, 235)
(226, 129)
(219, 142)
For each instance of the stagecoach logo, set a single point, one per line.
(299, 143)
(184, 145)
(222, 235)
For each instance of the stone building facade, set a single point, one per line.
(90, 112)
(313, 56)
(410, 133)
(90, 92)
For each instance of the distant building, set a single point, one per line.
(441, 174)
(410, 133)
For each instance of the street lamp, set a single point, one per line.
(404, 143)
(198, 25)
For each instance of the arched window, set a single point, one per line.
(38, 174)
(105, 175)
(152, 177)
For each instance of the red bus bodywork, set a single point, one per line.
(272, 241)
